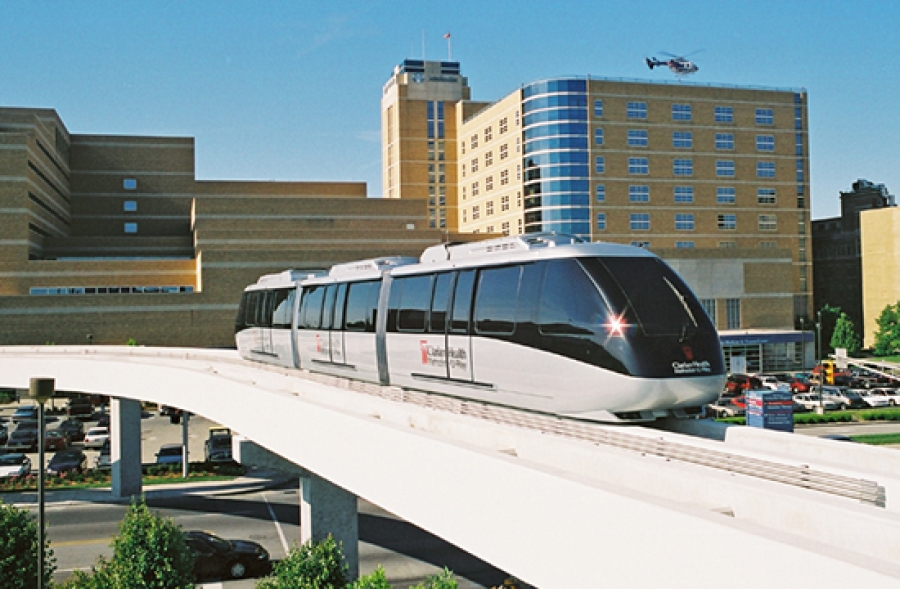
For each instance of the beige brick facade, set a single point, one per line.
(880, 253)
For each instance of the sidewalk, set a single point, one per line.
(253, 481)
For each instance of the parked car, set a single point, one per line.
(80, 407)
(13, 466)
(24, 439)
(169, 454)
(73, 429)
(25, 413)
(102, 460)
(217, 447)
(725, 407)
(769, 381)
(799, 385)
(4, 434)
(215, 557)
(844, 398)
(95, 437)
(103, 420)
(891, 395)
(873, 400)
(812, 401)
(68, 461)
(738, 383)
(55, 440)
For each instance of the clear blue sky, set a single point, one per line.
(290, 90)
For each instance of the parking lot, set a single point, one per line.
(156, 431)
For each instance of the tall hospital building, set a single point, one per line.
(715, 179)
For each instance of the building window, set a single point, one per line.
(765, 143)
(600, 164)
(475, 189)
(768, 223)
(727, 222)
(504, 203)
(129, 206)
(768, 245)
(765, 116)
(489, 158)
(601, 221)
(601, 192)
(638, 166)
(476, 212)
(642, 244)
(637, 110)
(488, 134)
(725, 141)
(684, 194)
(683, 167)
(489, 183)
(637, 138)
(131, 228)
(725, 168)
(684, 245)
(682, 139)
(504, 227)
(765, 196)
(504, 177)
(489, 209)
(598, 136)
(504, 125)
(129, 183)
(639, 194)
(727, 244)
(474, 164)
(684, 221)
(681, 112)
(598, 108)
(504, 151)
(474, 141)
(724, 114)
(709, 305)
(732, 313)
(725, 195)
(765, 169)
(639, 221)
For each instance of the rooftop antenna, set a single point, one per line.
(449, 51)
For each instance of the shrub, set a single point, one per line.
(314, 565)
(443, 580)
(375, 580)
(19, 550)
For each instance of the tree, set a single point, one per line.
(314, 565)
(845, 335)
(829, 316)
(887, 336)
(19, 550)
(150, 552)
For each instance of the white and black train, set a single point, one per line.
(542, 322)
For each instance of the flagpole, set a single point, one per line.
(449, 49)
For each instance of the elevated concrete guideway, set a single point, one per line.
(555, 511)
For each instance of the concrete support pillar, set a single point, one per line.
(125, 447)
(328, 509)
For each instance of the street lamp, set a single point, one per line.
(821, 368)
(41, 389)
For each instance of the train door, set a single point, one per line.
(437, 324)
(359, 328)
(459, 342)
(337, 295)
(310, 341)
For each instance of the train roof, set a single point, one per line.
(285, 278)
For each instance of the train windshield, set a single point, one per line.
(646, 291)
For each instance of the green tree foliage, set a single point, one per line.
(443, 580)
(149, 552)
(845, 335)
(375, 580)
(19, 550)
(314, 565)
(830, 317)
(887, 336)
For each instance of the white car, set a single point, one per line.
(812, 401)
(95, 437)
(873, 400)
(892, 396)
(14, 466)
(770, 382)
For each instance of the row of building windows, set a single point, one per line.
(489, 207)
(91, 290)
(503, 126)
(685, 194)
(640, 166)
(685, 222)
(684, 112)
(685, 140)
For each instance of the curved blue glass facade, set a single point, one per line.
(557, 171)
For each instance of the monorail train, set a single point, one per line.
(543, 322)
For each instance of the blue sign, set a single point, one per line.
(770, 410)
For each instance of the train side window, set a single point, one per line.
(570, 303)
(252, 304)
(462, 302)
(362, 298)
(240, 320)
(328, 308)
(495, 300)
(414, 303)
(443, 285)
(284, 302)
(264, 311)
(340, 300)
(311, 307)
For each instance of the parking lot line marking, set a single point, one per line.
(284, 542)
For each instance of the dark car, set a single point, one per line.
(73, 429)
(25, 438)
(169, 454)
(215, 557)
(217, 447)
(55, 440)
(68, 461)
(4, 434)
(25, 413)
(80, 407)
(738, 383)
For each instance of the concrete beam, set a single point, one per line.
(125, 447)
(328, 509)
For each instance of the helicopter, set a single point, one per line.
(678, 64)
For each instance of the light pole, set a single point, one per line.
(803, 345)
(41, 389)
(819, 363)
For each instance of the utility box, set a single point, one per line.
(769, 409)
